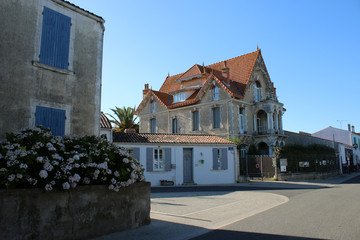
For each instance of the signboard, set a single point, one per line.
(283, 164)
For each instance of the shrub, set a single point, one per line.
(34, 158)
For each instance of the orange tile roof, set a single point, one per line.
(119, 137)
(240, 69)
(104, 121)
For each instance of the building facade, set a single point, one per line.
(51, 64)
(349, 152)
(234, 98)
(182, 158)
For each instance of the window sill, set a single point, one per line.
(54, 69)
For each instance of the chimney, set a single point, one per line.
(146, 89)
(226, 73)
(353, 129)
(349, 128)
(130, 130)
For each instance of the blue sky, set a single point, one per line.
(311, 50)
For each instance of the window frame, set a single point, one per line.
(152, 125)
(195, 121)
(160, 161)
(242, 120)
(216, 110)
(216, 93)
(174, 125)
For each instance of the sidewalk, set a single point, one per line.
(183, 215)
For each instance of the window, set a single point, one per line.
(174, 125)
(179, 97)
(216, 117)
(158, 163)
(153, 125)
(257, 91)
(153, 107)
(242, 119)
(55, 39)
(195, 118)
(220, 160)
(216, 93)
(51, 118)
(158, 159)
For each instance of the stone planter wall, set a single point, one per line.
(81, 213)
(306, 176)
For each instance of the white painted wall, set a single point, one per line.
(202, 173)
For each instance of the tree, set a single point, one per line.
(125, 118)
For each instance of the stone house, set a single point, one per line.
(182, 158)
(51, 64)
(233, 98)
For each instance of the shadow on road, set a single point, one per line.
(225, 234)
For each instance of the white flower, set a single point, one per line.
(58, 175)
(73, 185)
(23, 165)
(70, 160)
(48, 167)
(40, 159)
(108, 171)
(133, 176)
(11, 177)
(126, 160)
(55, 163)
(133, 166)
(102, 165)
(76, 157)
(52, 182)
(48, 187)
(111, 187)
(43, 174)
(19, 175)
(75, 178)
(116, 174)
(23, 153)
(86, 180)
(76, 165)
(3, 170)
(113, 181)
(66, 185)
(56, 156)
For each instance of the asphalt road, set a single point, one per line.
(311, 213)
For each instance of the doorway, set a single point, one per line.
(188, 165)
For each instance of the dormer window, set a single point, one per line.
(180, 97)
(216, 93)
(257, 91)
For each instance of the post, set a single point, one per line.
(261, 162)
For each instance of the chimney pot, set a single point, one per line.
(353, 129)
(349, 129)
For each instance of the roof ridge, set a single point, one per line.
(232, 58)
(214, 63)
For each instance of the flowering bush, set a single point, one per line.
(34, 158)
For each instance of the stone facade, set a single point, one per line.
(239, 89)
(81, 213)
(33, 84)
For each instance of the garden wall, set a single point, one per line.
(306, 175)
(81, 213)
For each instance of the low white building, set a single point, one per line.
(182, 158)
(349, 141)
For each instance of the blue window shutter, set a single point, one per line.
(136, 153)
(224, 158)
(149, 160)
(215, 158)
(55, 39)
(51, 118)
(167, 159)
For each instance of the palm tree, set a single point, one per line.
(125, 118)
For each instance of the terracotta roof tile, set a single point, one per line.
(104, 121)
(119, 137)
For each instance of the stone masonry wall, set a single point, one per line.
(81, 213)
